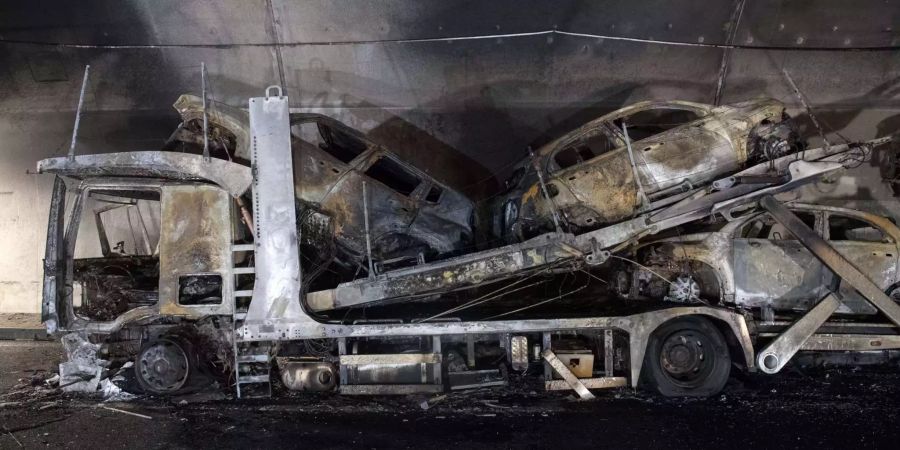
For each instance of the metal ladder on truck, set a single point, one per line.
(252, 360)
(797, 336)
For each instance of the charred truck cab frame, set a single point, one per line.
(684, 350)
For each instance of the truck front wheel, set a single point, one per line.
(687, 357)
(164, 366)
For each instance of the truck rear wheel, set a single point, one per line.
(687, 357)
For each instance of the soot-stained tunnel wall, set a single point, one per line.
(511, 75)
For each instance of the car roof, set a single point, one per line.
(639, 106)
(879, 220)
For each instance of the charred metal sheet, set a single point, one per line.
(833, 260)
(276, 294)
(195, 239)
(232, 177)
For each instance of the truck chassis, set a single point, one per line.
(273, 313)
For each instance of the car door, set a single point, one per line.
(392, 203)
(868, 247)
(596, 169)
(772, 268)
(590, 179)
(673, 144)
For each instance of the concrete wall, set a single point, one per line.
(464, 110)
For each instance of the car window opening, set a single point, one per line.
(766, 227)
(842, 228)
(583, 150)
(650, 122)
(341, 145)
(393, 175)
(434, 194)
(116, 259)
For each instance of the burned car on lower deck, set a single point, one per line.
(755, 263)
(596, 175)
(412, 216)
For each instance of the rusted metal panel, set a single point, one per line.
(195, 238)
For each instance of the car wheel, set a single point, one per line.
(687, 357)
(894, 293)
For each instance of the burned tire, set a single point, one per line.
(687, 357)
(164, 366)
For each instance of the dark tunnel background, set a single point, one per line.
(464, 110)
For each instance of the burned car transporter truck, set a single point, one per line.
(193, 280)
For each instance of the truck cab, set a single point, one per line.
(147, 238)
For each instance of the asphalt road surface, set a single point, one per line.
(822, 408)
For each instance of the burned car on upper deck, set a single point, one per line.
(755, 263)
(593, 178)
(412, 216)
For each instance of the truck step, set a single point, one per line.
(247, 379)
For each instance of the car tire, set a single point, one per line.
(687, 357)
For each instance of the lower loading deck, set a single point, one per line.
(676, 344)
(683, 343)
(575, 354)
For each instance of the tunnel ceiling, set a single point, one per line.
(511, 74)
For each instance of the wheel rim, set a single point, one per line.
(895, 294)
(686, 358)
(163, 366)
